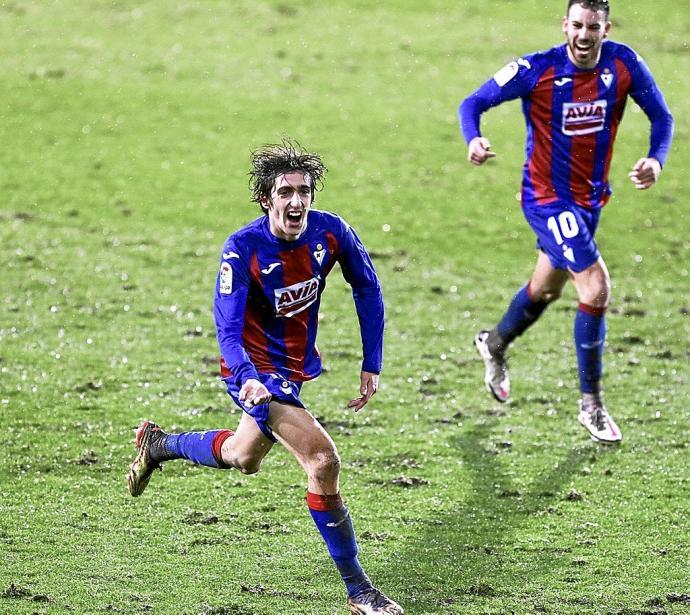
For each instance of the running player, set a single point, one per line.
(268, 290)
(573, 98)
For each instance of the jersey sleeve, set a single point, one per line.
(230, 300)
(359, 272)
(514, 80)
(648, 96)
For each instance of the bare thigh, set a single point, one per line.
(301, 434)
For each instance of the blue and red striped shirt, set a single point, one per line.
(268, 293)
(572, 117)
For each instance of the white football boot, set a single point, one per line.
(597, 421)
(496, 376)
(373, 602)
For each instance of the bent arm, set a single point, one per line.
(489, 95)
(229, 306)
(229, 316)
(471, 109)
(661, 134)
(650, 99)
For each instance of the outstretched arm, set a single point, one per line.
(359, 272)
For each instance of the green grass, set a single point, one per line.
(126, 134)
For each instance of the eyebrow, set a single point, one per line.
(291, 187)
(577, 22)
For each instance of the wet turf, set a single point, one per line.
(126, 134)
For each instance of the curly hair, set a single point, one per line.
(270, 161)
(593, 5)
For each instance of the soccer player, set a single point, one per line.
(573, 98)
(268, 289)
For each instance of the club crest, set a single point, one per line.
(319, 253)
(607, 78)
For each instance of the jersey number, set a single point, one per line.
(563, 226)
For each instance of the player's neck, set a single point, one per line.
(286, 234)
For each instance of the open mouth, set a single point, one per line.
(583, 47)
(295, 217)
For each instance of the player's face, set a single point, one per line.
(585, 31)
(288, 205)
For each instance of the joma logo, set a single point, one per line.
(584, 118)
(296, 298)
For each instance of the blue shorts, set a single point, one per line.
(281, 390)
(565, 233)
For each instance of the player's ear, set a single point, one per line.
(565, 24)
(607, 29)
(265, 202)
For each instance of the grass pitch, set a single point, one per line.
(127, 128)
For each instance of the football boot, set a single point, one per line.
(496, 376)
(149, 437)
(598, 422)
(372, 601)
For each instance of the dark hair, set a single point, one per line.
(594, 5)
(270, 161)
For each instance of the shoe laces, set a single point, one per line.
(500, 365)
(597, 414)
(372, 597)
(156, 448)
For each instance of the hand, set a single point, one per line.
(253, 393)
(369, 383)
(645, 173)
(479, 151)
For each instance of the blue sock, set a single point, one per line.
(522, 313)
(201, 447)
(333, 521)
(590, 335)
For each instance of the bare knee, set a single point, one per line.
(246, 464)
(595, 289)
(547, 288)
(546, 283)
(596, 296)
(546, 295)
(324, 466)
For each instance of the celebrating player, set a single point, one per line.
(573, 98)
(268, 290)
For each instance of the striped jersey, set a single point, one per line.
(572, 117)
(268, 292)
